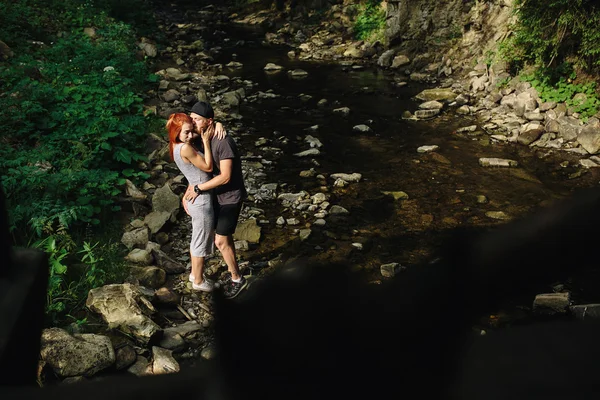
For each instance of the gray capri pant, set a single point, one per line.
(203, 230)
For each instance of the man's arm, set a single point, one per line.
(226, 167)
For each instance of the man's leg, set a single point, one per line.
(227, 249)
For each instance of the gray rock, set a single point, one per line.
(352, 178)
(481, 199)
(586, 163)
(139, 256)
(163, 361)
(141, 367)
(308, 153)
(165, 200)
(176, 74)
(124, 307)
(153, 277)
(241, 245)
(304, 234)
(320, 222)
(389, 270)
(501, 215)
(280, 221)
(185, 330)
(399, 61)
(549, 105)
(125, 356)
(132, 191)
(427, 149)
(318, 198)
(292, 221)
(497, 162)
(338, 210)
(425, 114)
(292, 197)
(84, 354)
(272, 67)
(209, 352)
(586, 311)
(167, 296)
(589, 139)
(248, 230)
(361, 128)
(172, 341)
(397, 195)
(136, 238)
(313, 141)
(530, 133)
(166, 263)
(156, 220)
(298, 73)
(461, 100)
(171, 95)
(552, 303)
(431, 105)
(385, 60)
(534, 116)
(436, 94)
(463, 110)
(345, 111)
(552, 126)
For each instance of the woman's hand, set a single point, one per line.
(208, 133)
(220, 131)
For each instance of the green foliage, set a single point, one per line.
(72, 120)
(74, 272)
(370, 22)
(549, 32)
(581, 97)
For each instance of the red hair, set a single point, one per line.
(174, 125)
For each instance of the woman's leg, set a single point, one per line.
(198, 269)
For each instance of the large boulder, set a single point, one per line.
(385, 60)
(165, 200)
(589, 139)
(122, 306)
(76, 355)
(248, 230)
(163, 361)
(399, 61)
(152, 277)
(156, 220)
(436, 94)
(169, 265)
(135, 238)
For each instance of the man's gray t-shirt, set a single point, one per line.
(234, 191)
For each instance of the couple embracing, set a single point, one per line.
(214, 196)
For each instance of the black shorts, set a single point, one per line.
(226, 217)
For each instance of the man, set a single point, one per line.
(228, 183)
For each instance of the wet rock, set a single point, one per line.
(589, 139)
(139, 256)
(530, 133)
(552, 303)
(132, 191)
(141, 367)
(163, 361)
(156, 220)
(308, 153)
(338, 210)
(297, 73)
(427, 149)
(431, 105)
(587, 163)
(84, 354)
(125, 356)
(272, 67)
(497, 162)
(352, 178)
(171, 95)
(361, 128)
(463, 110)
(292, 197)
(308, 173)
(385, 59)
(400, 61)
(501, 215)
(313, 141)
(280, 221)
(345, 111)
(136, 238)
(175, 74)
(358, 246)
(425, 114)
(124, 307)
(304, 234)
(165, 200)
(172, 341)
(248, 230)
(153, 277)
(436, 94)
(318, 198)
(209, 352)
(462, 99)
(397, 195)
(320, 222)
(586, 311)
(292, 221)
(481, 199)
(185, 330)
(389, 270)
(167, 296)
(552, 126)
(166, 263)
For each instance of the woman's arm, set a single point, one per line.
(220, 131)
(204, 163)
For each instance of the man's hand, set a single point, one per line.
(220, 131)
(189, 195)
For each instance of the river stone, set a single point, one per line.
(313, 141)
(139, 256)
(318, 198)
(534, 116)
(424, 114)
(76, 355)
(272, 67)
(431, 105)
(463, 110)
(231, 99)
(586, 163)
(298, 73)
(248, 230)
(163, 361)
(185, 330)
(172, 341)
(141, 367)
(345, 111)
(132, 191)
(308, 153)
(589, 139)
(530, 133)
(292, 197)
(427, 149)
(385, 59)
(398, 195)
(167, 296)
(586, 311)
(171, 95)
(361, 128)
(165, 200)
(497, 162)
(399, 61)
(136, 238)
(209, 352)
(304, 234)
(166, 263)
(125, 357)
(501, 215)
(122, 306)
(176, 74)
(389, 270)
(436, 94)
(551, 303)
(338, 210)
(352, 178)
(552, 126)
(153, 277)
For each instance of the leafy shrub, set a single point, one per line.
(370, 22)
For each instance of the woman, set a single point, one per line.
(197, 168)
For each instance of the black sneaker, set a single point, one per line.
(231, 289)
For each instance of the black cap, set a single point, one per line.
(203, 109)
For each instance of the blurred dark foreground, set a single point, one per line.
(312, 332)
